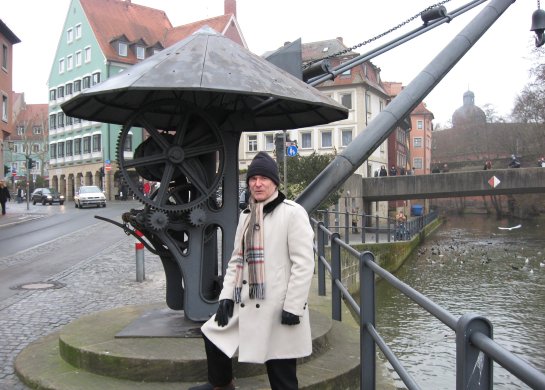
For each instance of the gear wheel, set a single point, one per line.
(197, 216)
(157, 220)
(190, 153)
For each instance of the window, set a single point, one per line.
(69, 120)
(86, 82)
(96, 78)
(381, 106)
(52, 95)
(128, 143)
(77, 85)
(327, 139)
(60, 149)
(5, 57)
(87, 54)
(60, 92)
(417, 142)
(69, 62)
(252, 143)
(86, 144)
(96, 142)
(78, 58)
(68, 89)
(346, 100)
(52, 121)
(140, 52)
(69, 148)
(37, 130)
(53, 150)
(69, 35)
(20, 130)
(346, 137)
(60, 119)
(368, 103)
(78, 31)
(35, 148)
(269, 142)
(417, 163)
(61, 65)
(77, 146)
(122, 49)
(306, 140)
(420, 125)
(4, 108)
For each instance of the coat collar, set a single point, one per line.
(269, 207)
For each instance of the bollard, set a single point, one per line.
(139, 253)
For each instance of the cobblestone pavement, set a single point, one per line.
(104, 281)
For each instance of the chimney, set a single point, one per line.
(230, 7)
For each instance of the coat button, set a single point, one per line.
(244, 281)
(242, 305)
(257, 305)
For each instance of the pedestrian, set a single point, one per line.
(4, 196)
(383, 171)
(263, 311)
(435, 169)
(487, 165)
(20, 194)
(445, 168)
(393, 171)
(355, 220)
(514, 163)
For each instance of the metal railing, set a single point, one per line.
(475, 349)
(361, 227)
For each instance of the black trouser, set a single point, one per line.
(282, 372)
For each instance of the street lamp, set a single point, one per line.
(538, 25)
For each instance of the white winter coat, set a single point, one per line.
(255, 328)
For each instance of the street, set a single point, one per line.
(71, 235)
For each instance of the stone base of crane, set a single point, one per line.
(137, 347)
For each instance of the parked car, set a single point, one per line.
(46, 195)
(89, 196)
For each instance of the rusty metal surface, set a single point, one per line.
(209, 71)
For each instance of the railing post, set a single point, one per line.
(363, 226)
(367, 316)
(473, 367)
(376, 229)
(336, 295)
(389, 230)
(326, 223)
(347, 227)
(321, 253)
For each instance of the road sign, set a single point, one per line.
(291, 151)
(107, 166)
(494, 182)
(13, 173)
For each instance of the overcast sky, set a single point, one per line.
(495, 69)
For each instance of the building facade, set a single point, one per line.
(7, 39)
(101, 38)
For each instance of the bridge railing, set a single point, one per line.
(361, 227)
(475, 349)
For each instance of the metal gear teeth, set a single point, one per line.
(157, 220)
(197, 216)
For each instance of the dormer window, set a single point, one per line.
(140, 52)
(122, 49)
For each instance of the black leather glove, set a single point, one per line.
(225, 311)
(289, 319)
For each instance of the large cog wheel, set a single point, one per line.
(190, 153)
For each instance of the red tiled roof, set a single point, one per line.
(115, 18)
(218, 23)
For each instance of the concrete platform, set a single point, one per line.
(86, 354)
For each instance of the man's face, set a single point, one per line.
(261, 187)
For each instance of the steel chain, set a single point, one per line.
(312, 61)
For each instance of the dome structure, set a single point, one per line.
(469, 113)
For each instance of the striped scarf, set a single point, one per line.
(252, 249)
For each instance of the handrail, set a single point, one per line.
(475, 348)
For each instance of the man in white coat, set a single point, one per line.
(263, 310)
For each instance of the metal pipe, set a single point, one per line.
(359, 150)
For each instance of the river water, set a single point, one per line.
(469, 265)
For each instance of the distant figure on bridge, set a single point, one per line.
(541, 162)
(263, 311)
(383, 171)
(393, 171)
(445, 168)
(487, 165)
(435, 169)
(515, 163)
